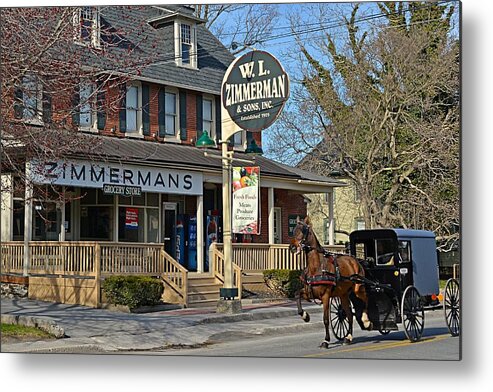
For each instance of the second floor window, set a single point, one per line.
(207, 108)
(86, 107)
(30, 97)
(170, 113)
(132, 106)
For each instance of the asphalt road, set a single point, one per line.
(436, 344)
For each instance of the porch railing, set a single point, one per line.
(176, 278)
(260, 257)
(217, 260)
(95, 260)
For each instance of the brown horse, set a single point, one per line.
(326, 277)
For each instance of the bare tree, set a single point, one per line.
(239, 26)
(381, 107)
(47, 55)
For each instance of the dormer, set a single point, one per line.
(185, 35)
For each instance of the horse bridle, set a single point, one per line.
(302, 244)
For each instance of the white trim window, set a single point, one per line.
(28, 104)
(208, 117)
(238, 138)
(133, 105)
(170, 113)
(31, 98)
(87, 24)
(87, 115)
(186, 44)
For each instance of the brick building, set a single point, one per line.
(145, 129)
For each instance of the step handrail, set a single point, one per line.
(175, 276)
(217, 264)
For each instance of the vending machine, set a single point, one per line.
(181, 237)
(192, 244)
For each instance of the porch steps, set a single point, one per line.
(203, 291)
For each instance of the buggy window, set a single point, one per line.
(385, 252)
(404, 251)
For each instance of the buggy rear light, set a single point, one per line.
(434, 297)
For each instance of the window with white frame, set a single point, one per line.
(28, 103)
(186, 44)
(31, 97)
(87, 25)
(170, 113)
(132, 109)
(207, 117)
(87, 117)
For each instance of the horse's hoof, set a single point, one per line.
(306, 317)
(346, 342)
(324, 344)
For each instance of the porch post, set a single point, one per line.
(200, 233)
(270, 206)
(28, 216)
(330, 199)
(62, 213)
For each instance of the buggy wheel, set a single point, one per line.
(384, 331)
(339, 322)
(413, 315)
(451, 306)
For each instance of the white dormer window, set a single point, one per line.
(87, 26)
(185, 44)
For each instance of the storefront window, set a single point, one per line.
(96, 223)
(46, 221)
(138, 218)
(18, 220)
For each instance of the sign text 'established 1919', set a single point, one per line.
(254, 90)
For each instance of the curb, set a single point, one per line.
(44, 324)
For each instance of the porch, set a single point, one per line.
(73, 272)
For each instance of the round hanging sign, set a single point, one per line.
(254, 90)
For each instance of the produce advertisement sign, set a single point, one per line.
(246, 200)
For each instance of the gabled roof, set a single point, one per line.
(155, 47)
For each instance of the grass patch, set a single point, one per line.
(19, 331)
(442, 284)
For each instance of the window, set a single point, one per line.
(170, 113)
(186, 44)
(207, 119)
(238, 139)
(132, 109)
(359, 224)
(86, 119)
(28, 103)
(138, 218)
(96, 215)
(277, 225)
(87, 25)
(385, 252)
(404, 251)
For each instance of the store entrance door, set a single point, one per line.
(169, 228)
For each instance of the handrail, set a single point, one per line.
(175, 277)
(217, 263)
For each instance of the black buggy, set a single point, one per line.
(401, 280)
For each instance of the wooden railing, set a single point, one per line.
(260, 257)
(216, 258)
(131, 259)
(12, 257)
(176, 277)
(62, 258)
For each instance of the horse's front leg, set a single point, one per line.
(304, 315)
(326, 302)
